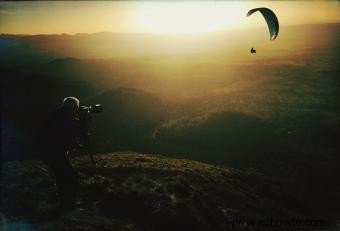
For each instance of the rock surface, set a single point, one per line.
(132, 191)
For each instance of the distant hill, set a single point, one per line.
(29, 49)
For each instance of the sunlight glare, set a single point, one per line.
(189, 17)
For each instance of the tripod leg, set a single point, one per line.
(89, 150)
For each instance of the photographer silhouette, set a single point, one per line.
(57, 138)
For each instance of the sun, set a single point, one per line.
(189, 17)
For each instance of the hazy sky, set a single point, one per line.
(156, 17)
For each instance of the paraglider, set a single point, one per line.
(271, 19)
(272, 22)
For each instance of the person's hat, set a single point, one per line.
(71, 102)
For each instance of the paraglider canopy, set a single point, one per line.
(271, 19)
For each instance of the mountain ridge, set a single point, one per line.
(161, 34)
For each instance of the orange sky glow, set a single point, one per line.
(155, 17)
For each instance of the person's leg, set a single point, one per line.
(66, 179)
(67, 183)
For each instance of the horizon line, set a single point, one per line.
(155, 33)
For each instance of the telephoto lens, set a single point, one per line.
(96, 108)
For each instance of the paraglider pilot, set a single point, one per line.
(252, 50)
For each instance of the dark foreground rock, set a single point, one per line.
(131, 191)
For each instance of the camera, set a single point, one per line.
(96, 108)
(84, 112)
